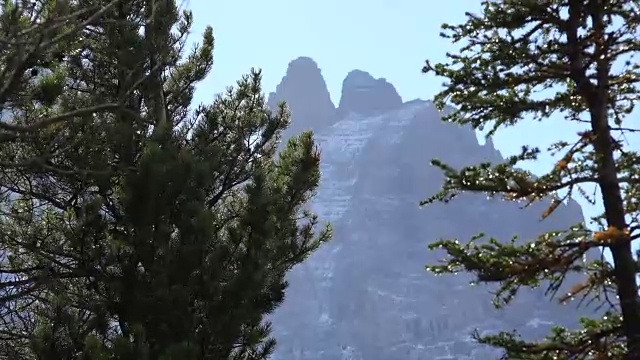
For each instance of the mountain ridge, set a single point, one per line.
(365, 295)
(303, 71)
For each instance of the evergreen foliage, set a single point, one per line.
(134, 224)
(534, 59)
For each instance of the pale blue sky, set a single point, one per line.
(388, 38)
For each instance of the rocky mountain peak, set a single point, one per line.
(306, 94)
(365, 95)
(365, 295)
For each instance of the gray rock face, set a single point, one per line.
(306, 94)
(366, 295)
(364, 95)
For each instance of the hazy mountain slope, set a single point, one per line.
(366, 294)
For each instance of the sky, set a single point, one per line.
(387, 38)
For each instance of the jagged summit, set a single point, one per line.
(302, 62)
(365, 295)
(363, 94)
(307, 96)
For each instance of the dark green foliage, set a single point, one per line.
(535, 59)
(133, 225)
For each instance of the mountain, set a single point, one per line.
(366, 295)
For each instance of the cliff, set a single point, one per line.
(366, 295)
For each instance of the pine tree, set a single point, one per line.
(536, 59)
(135, 224)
